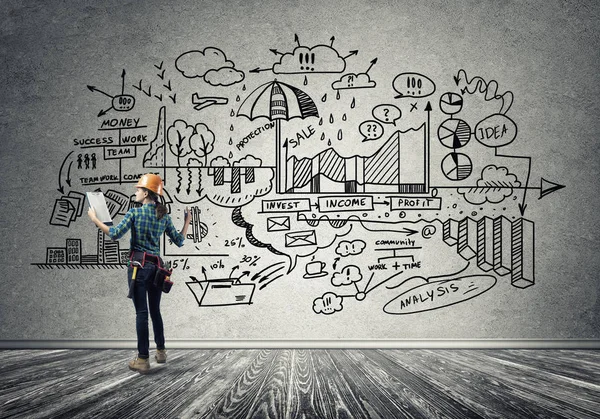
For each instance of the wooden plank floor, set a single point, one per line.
(299, 383)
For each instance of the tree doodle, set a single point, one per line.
(357, 196)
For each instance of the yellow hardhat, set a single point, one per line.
(151, 182)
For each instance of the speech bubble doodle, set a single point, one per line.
(253, 217)
(387, 114)
(370, 130)
(413, 85)
(123, 103)
(496, 130)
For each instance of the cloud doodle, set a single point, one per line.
(248, 161)
(495, 184)
(220, 161)
(346, 248)
(329, 303)
(223, 77)
(318, 59)
(353, 81)
(347, 276)
(211, 65)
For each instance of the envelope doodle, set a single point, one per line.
(278, 224)
(300, 238)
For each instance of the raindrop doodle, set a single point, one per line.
(230, 141)
(329, 141)
(321, 121)
(244, 88)
(340, 134)
(322, 136)
(324, 98)
(230, 155)
(353, 103)
(232, 113)
(344, 117)
(337, 96)
(237, 99)
(305, 80)
(231, 127)
(331, 118)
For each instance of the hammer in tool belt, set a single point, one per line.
(135, 265)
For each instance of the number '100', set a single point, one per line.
(412, 82)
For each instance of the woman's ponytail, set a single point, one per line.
(161, 209)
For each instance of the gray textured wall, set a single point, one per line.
(545, 53)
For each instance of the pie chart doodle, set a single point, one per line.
(451, 103)
(454, 133)
(457, 166)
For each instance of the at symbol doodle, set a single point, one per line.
(428, 231)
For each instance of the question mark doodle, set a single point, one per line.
(387, 114)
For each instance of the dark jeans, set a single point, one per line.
(144, 286)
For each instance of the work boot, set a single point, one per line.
(140, 365)
(161, 356)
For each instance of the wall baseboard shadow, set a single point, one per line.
(312, 344)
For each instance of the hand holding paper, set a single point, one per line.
(98, 212)
(92, 213)
(98, 204)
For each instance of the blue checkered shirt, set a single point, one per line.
(148, 229)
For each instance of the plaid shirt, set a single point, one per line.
(148, 229)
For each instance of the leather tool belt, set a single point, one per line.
(143, 257)
(162, 278)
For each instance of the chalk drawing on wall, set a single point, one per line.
(287, 178)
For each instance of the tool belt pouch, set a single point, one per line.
(167, 285)
(137, 257)
(162, 279)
